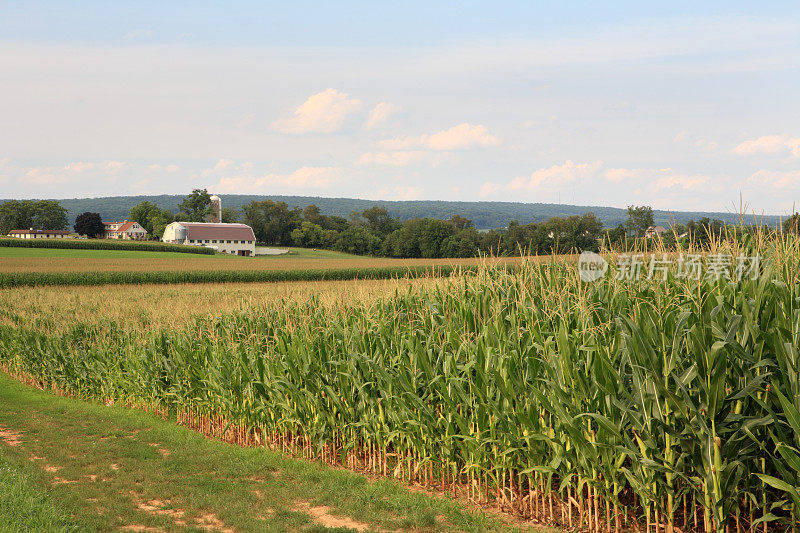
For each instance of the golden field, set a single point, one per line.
(99, 262)
(152, 307)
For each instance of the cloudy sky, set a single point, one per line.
(686, 106)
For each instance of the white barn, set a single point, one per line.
(235, 239)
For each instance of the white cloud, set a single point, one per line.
(702, 144)
(682, 181)
(396, 159)
(44, 175)
(456, 138)
(78, 167)
(71, 172)
(220, 166)
(681, 136)
(323, 112)
(769, 144)
(223, 164)
(489, 188)
(380, 114)
(617, 175)
(301, 179)
(557, 174)
(776, 179)
(114, 166)
(163, 168)
(706, 145)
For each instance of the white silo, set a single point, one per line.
(215, 203)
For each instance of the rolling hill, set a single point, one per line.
(485, 215)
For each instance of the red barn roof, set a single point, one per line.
(207, 230)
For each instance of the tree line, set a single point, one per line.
(374, 232)
(32, 214)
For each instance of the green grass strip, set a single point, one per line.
(140, 459)
(23, 506)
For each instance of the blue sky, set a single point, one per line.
(684, 105)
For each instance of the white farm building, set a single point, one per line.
(236, 239)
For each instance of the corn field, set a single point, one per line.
(105, 244)
(618, 405)
(139, 277)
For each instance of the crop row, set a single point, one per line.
(33, 279)
(621, 404)
(104, 244)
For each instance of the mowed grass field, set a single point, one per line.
(67, 260)
(67, 465)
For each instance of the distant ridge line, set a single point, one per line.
(485, 215)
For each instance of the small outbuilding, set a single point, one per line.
(39, 234)
(234, 239)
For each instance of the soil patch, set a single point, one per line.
(322, 517)
(210, 522)
(12, 438)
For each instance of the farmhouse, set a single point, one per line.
(39, 234)
(236, 239)
(127, 229)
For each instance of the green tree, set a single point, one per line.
(196, 206)
(464, 243)
(379, 221)
(48, 214)
(272, 222)
(145, 213)
(160, 223)
(152, 218)
(16, 214)
(309, 235)
(460, 222)
(639, 219)
(36, 214)
(358, 240)
(615, 237)
(89, 224)
(312, 214)
(230, 215)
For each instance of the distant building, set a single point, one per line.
(235, 239)
(39, 234)
(655, 231)
(127, 229)
(215, 205)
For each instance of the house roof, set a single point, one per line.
(38, 232)
(127, 226)
(207, 230)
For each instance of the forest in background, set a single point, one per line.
(484, 215)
